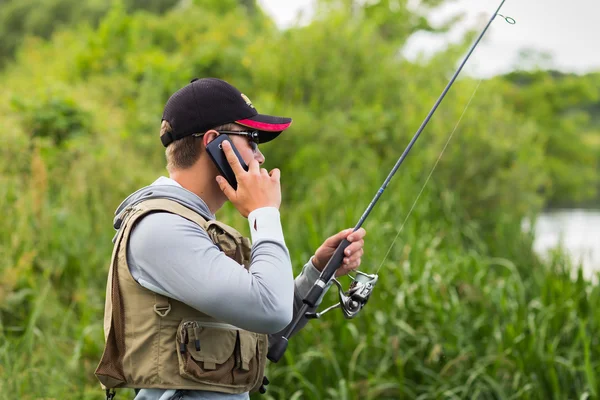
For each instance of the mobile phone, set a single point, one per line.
(216, 153)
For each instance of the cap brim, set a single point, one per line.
(269, 127)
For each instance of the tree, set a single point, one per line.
(558, 102)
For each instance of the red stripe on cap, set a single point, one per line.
(263, 126)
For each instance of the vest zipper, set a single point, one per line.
(196, 329)
(184, 338)
(220, 325)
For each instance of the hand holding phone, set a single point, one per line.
(256, 187)
(215, 151)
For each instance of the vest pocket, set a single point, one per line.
(213, 353)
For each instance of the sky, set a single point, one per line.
(569, 31)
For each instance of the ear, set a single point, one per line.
(209, 136)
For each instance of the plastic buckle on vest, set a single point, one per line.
(162, 311)
(110, 395)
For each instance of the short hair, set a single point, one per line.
(184, 152)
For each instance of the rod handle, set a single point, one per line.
(277, 349)
(334, 263)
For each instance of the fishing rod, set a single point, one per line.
(352, 301)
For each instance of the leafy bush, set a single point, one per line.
(56, 118)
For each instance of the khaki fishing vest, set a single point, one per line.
(157, 342)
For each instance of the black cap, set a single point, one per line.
(209, 102)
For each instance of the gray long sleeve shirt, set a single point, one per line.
(173, 256)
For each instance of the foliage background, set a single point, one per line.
(463, 309)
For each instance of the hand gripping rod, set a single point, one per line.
(278, 348)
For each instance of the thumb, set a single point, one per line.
(226, 187)
(336, 239)
(275, 174)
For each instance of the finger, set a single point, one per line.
(346, 268)
(341, 271)
(264, 172)
(338, 237)
(358, 235)
(352, 252)
(354, 247)
(253, 167)
(350, 265)
(336, 240)
(232, 158)
(275, 174)
(356, 256)
(226, 187)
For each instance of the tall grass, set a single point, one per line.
(449, 322)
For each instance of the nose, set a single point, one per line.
(258, 156)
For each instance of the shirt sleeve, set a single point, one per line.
(173, 256)
(265, 223)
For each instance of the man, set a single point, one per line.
(189, 301)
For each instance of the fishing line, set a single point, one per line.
(510, 21)
(429, 176)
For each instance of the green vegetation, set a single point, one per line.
(567, 109)
(463, 309)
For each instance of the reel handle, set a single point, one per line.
(277, 349)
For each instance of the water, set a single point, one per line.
(577, 231)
